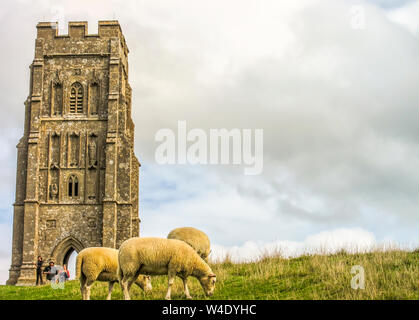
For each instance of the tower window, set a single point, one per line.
(76, 98)
(73, 187)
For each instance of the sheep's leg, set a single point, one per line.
(111, 284)
(125, 291)
(123, 282)
(87, 289)
(171, 275)
(83, 287)
(126, 283)
(185, 286)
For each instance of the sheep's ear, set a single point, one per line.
(211, 275)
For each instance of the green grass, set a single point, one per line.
(388, 275)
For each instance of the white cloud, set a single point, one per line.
(407, 16)
(326, 242)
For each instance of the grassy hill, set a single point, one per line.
(388, 275)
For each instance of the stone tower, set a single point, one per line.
(77, 175)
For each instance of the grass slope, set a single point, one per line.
(388, 275)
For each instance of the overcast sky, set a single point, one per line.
(333, 84)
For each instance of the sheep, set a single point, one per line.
(197, 239)
(101, 264)
(158, 256)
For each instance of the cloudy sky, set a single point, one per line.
(333, 84)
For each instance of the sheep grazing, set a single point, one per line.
(157, 256)
(197, 239)
(101, 264)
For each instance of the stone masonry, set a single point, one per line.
(77, 175)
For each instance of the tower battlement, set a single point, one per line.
(79, 29)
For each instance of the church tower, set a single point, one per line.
(77, 175)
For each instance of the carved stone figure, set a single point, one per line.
(74, 149)
(53, 191)
(92, 152)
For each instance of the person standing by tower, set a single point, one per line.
(51, 271)
(64, 274)
(38, 265)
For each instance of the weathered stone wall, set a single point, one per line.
(77, 178)
(60, 221)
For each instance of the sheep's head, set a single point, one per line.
(208, 283)
(144, 282)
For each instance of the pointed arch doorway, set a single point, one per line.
(66, 252)
(70, 261)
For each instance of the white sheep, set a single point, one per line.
(197, 239)
(157, 256)
(101, 264)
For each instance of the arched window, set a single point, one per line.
(73, 187)
(76, 98)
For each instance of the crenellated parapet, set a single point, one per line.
(79, 29)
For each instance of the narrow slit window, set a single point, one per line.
(70, 187)
(76, 189)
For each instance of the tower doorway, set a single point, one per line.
(70, 260)
(66, 253)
